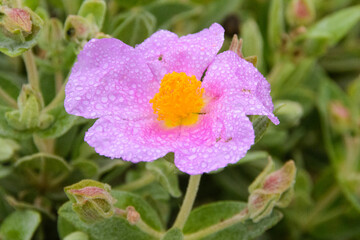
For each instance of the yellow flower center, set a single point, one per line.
(179, 100)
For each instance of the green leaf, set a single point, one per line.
(33, 4)
(253, 44)
(43, 169)
(17, 44)
(63, 123)
(133, 27)
(77, 236)
(115, 228)
(86, 167)
(173, 234)
(7, 148)
(94, 9)
(275, 28)
(11, 83)
(20, 225)
(72, 6)
(132, 3)
(165, 172)
(216, 11)
(208, 215)
(5, 208)
(7, 131)
(167, 13)
(335, 26)
(289, 114)
(260, 125)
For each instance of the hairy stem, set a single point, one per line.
(32, 73)
(149, 230)
(188, 202)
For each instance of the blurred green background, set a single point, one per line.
(309, 51)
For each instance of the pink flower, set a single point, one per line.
(150, 101)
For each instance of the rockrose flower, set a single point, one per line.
(169, 94)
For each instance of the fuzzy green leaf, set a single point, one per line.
(275, 23)
(134, 26)
(20, 225)
(173, 234)
(43, 169)
(166, 175)
(335, 26)
(94, 9)
(115, 228)
(211, 214)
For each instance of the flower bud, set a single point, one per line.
(91, 200)
(271, 189)
(236, 45)
(16, 20)
(52, 35)
(19, 29)
(340, 117)
(300, 12)
(27, 116)
(78, 29)
(132, 215)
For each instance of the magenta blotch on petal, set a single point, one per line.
(115, 82)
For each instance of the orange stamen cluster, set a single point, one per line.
(179, 100)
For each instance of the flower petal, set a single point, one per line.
(194, 52)
(191, 54)
(135, 141)
(110, 78)
(156, 45)
(235, 139)
(233, 77)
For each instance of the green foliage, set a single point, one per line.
(15, 43)
(20, 225)
(209, 215)
(166, 174)
(113, 227)
(134, 26)
(307, 50)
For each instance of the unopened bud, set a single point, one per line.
(236, 45)
(78, 29)
(19, 30)
(27, 116)
(91, 200)
(52, 35)
(270, 190)
(16, 20)
(132, 215)
(340, 117)
(300, 12)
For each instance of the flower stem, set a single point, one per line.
(32, 73)
(240, 217)
(7, 99)
(188, 202)
(149, 230)
(33, 76)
